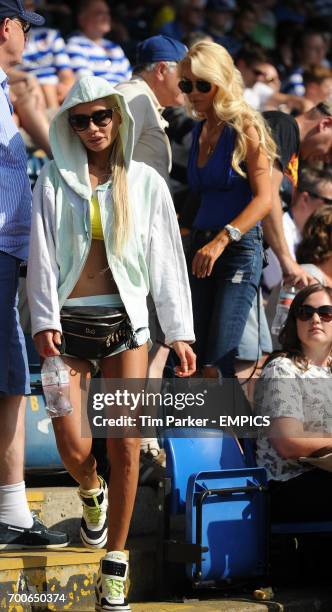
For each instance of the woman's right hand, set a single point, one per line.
(47, 341)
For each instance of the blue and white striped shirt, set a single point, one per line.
(105, 59)
(15, 192)
(45, 55)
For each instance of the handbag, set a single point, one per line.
(95, 332)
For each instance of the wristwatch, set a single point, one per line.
(233, 232)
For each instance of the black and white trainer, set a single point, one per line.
(37, 536)
(111, 582)
(94, 520)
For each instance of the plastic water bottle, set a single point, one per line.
(286, 297)
(55, 382)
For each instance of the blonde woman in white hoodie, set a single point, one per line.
(104, 234)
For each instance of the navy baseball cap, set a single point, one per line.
(159, 48)
(221, 5)
(15, 8)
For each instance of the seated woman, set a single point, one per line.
(295, 391)
(104, 234)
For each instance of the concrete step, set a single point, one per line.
(61, 508)
(69, 575)
(65, 579)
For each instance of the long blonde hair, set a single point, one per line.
(122, 219)
(211, 62)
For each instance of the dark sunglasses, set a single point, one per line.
(100, 118)
(319, 197)
(187, 86)
(306, 312)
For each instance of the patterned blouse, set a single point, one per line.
(284, 390)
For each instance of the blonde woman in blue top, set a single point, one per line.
(230, 167)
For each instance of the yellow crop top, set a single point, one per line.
(96, 227)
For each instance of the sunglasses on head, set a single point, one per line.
(306, 312)
(100, 118)
(187, 86)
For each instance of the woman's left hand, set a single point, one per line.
(187, 358)
(206, 257)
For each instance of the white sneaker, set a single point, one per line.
(110, 589)
(94, 520)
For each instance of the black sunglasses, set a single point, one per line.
(306, 312)
(100, 118)
(319, 197)
(187, 86)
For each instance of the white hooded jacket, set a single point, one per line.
(152, 260)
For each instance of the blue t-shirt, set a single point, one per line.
(224, 193)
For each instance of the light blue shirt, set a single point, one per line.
(15, 191)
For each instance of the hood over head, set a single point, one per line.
(70, 155)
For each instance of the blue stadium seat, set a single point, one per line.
(224, 507)
(190, 454)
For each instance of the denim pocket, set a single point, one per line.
(241, 262)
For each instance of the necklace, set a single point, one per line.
(212, 138)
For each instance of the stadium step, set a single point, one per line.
(64, 579)
(61, 508)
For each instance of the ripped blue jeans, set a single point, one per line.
(221, 302)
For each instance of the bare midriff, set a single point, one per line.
(96, 277)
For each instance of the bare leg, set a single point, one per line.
(31, 112)
(157, 361)
(123, 453)
(35, 124)
(51, 96)
(12, 435)
(74, 450)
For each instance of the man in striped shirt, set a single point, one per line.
(45, 57)
(92, 54)
(17, 526)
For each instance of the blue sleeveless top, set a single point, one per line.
(224, 192)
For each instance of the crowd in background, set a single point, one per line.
(282, 50)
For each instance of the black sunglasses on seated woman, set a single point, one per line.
(306, 312)
(187, 86)
(100, 118)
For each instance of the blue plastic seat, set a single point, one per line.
(224, 504)
(190, 454)
(226, 513)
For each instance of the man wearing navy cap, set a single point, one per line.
(154, 85)
(18, 528)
